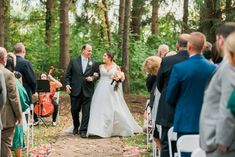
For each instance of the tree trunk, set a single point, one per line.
(105, 26)
(64, 34)
(136, 13)
(2, 23)
(109, 33)
(185, 18)
(49, 22)
(121, 24)
(125, 48)
(154, 19)
(210, 15)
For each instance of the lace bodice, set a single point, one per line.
(107, 74)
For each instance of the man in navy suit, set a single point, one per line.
(79, 81)
(186, 87)
(25, 68)
(165, 112)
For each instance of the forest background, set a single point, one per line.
(55, 30)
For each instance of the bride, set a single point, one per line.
(109, 114)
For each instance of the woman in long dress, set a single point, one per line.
(109, 114)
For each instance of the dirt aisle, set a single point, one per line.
(69, 145)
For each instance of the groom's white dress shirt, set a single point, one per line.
(84, 63)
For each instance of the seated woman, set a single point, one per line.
(53, 85)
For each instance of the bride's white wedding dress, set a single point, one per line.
(109, 114)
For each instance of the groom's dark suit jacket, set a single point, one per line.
(76, 78)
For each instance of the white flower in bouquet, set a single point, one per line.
(118, 77)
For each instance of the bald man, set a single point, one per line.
(80, 83)
(165, 112)
(162, 50)
(186, 87)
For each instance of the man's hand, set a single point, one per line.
(222, 148)
(96, 74)
(89, 79)
(68, 89)
(19, 121)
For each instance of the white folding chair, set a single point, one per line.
(29, 128)
(198, 153)
(172, 136)
(187, 143)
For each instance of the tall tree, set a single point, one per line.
(185, 17)
(210, 15)
(125, 43)
(136, 13)
(154, 19)
(64, 33)
(106, 30)
(2, 23)
(7, 43)
(49, 21)
(121, 23)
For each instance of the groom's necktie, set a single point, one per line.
(84, 64)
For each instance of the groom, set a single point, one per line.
(79, 80)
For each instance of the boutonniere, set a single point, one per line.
(90, 63)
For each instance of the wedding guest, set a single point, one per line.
(11, 114)
(54, 84)
(3, 97)
(110, 115)
(151, 65)
(162, 50)
(18, 138)
(216, 122)
(186, 87)
(207, 51)
(80, 83)
(25, 68)
(165, 112)
(215, 55)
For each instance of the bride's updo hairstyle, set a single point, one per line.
(110, 55)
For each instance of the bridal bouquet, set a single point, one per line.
(118, 77)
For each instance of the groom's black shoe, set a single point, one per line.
(75, 131)
(83, 135)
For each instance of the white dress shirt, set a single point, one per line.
(84, 63)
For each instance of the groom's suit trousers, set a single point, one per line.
(80, 103)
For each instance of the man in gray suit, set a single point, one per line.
(2, 99)
(217, 125)
(11, 112)
(2, 94)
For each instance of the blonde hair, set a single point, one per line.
(171, 53)
(151, 63)
(230, 46)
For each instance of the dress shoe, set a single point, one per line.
(75, 131)
(83, 135)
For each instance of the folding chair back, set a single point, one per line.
(198, 153)
(172, 136)
(187, 143)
